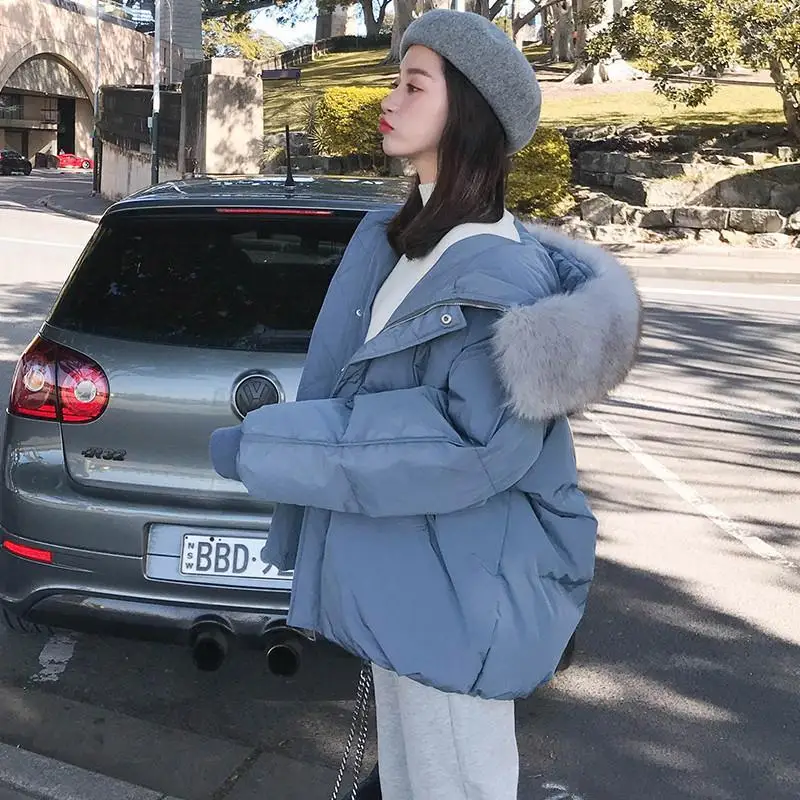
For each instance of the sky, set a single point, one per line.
(285, 33)
(304, 31)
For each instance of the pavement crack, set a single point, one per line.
(230, 782)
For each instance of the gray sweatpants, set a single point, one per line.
(438, 746)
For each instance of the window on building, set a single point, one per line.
(10, 106)
(50, 110)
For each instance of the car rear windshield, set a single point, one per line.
(236, 281)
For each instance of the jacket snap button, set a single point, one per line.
(446, 319)
(359, 312)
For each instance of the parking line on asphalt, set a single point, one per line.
(54, 658)
(690, 495)
(39, 242)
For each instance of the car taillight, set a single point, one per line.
(31, 553)
(56, 383)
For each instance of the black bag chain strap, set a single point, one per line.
(358, 732)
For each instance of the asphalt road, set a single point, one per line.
(687, 679)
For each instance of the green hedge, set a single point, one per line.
(344, 122)
(540, 175)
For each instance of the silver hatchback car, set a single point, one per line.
(191, 305)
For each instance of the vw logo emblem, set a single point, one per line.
(255, 391)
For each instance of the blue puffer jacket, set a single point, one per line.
(427, 482)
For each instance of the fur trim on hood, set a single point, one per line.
(569, 350)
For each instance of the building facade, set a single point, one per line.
(49, 72)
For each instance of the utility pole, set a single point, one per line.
(95, 146)
(156, 94)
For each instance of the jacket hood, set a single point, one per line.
(568, 350)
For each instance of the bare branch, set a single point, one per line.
(522, 21)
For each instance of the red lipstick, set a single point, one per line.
(384, 126)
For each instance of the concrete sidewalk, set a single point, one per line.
(79, 206)
(29, 776)
(671, 260)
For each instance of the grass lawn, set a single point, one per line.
(284, 102)
(731, 105)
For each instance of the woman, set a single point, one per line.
(426, 475)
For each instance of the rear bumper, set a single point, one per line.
(115, 559)
(131, 605)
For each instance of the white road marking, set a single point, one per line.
(692, 497)
(39, 242)
(558, 791)
(646, 290)
(54, 658)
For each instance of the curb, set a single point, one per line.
(70, 212)
(785, 276)
(715, 274)
(47, 779)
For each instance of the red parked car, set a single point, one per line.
(75, 162)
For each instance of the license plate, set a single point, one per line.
(226, 556)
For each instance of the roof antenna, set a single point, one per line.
(289, 183)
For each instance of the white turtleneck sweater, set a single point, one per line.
(409, 271)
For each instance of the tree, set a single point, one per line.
(681, 36)
(233, 37)
(224, 8)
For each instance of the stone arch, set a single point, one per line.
(44, 47)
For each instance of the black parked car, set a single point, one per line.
(12, 161)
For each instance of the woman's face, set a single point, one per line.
(415, 112)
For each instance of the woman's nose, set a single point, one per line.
(388, 104)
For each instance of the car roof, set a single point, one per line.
(338, 193)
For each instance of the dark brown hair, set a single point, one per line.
(472, 170)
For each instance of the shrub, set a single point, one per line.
(346, 121)
(538, 183)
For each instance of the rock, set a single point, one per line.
(657, 218)
(598, 210)
(619, 234)
(708, 237)
(680, 233)
(604, 178)
(672, 169)
(756, 158)
(745, 191)
(627, 215)
(784, 197)
(654, 193)
(793, 223)
(737, 238)
(701, 217)
(785, 153)
(401, 168)
(600, 161)
(577, 229)
(771, 240)
(590, 161)
(756, 220)
(642, 167)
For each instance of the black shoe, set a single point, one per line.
(567, 655)
(370, 787)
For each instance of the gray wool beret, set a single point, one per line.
(490, 61)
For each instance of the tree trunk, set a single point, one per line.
(370, 23)
(581, 30)
(478, 7)
(547, 26)
(792, 113)
(403, 10)
(563, 48)
(791, 104)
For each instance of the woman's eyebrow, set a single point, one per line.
(419, 71)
